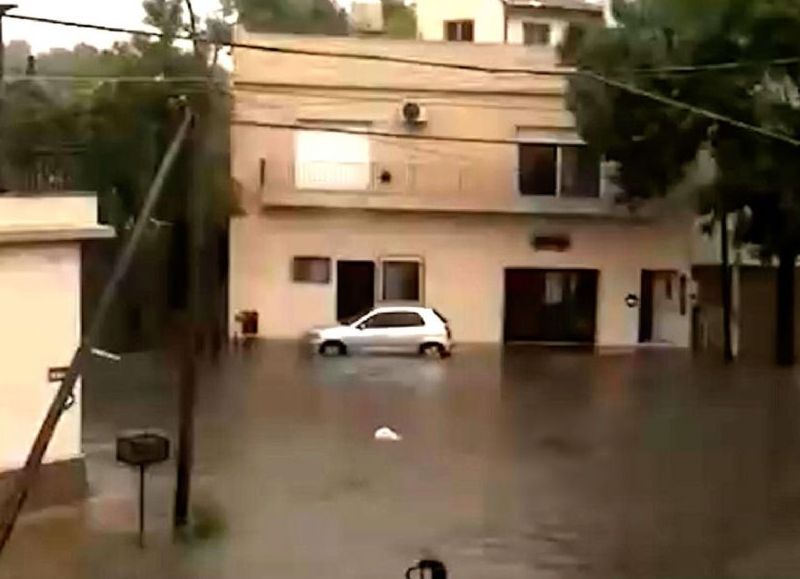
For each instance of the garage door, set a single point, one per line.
(550, 305)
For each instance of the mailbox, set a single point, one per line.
(142, 448)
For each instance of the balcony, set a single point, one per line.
(415, 186)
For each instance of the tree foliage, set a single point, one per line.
(655, 143)
(293, 16)
(399, 20)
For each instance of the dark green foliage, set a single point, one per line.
(294, 16)
(399, 20)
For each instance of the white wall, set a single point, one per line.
(39, 329)
(48, 210)
(487, 14)
(464, 259)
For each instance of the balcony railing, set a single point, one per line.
(440, 186)
(48, 171)
(391, 177)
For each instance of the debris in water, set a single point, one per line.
(387, 434)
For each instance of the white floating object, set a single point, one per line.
(387, 434)
(107, 355)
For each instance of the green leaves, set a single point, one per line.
(654, 144)
(295, 16)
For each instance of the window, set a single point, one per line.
(401, 280)
(580, 172)
(311, 269)
(395, 320)
(536, 33)
(558, 170)
(459, 30)
(559, 286)
(333, 161)
(537, 169)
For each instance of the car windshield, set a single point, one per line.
(353, 319)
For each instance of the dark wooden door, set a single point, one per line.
(550, 305)
(646, 307)
(355, 288)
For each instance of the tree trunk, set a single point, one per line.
(784, 323)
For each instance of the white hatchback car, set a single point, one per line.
(395, 328)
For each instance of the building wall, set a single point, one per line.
(487, 14)
(464, 260)
(40, 313)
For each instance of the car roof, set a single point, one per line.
(400, 306)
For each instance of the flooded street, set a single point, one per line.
(513, 464)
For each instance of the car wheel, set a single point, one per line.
(333, 349)
(432, 351)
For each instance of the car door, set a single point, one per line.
(408, 331)
(373, 332)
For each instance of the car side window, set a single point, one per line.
(394, 320)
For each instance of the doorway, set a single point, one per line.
(355, 288)
(662, 306)
(550, 305)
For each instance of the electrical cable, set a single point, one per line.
(456, 66)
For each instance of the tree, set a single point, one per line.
(399, 20)
(295, 16)
(654, 144)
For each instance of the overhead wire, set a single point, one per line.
(437, 64)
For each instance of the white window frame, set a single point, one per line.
(550, 30)
(557, 141)
(420, 261)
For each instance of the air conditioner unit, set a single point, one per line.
(413, 113)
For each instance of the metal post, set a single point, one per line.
(726, 289)
(141, 506)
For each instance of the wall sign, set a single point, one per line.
(57, 374)
(551, 242)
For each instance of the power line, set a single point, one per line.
(694, 109)
(405, 136)
(714, 67)
(420, 62)
(295, 51)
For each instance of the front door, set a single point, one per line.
(646, 307)
(553, 305)
(355, 288)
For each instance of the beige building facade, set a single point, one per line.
(40, 309)
(364, 180)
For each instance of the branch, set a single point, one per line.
(193, 27)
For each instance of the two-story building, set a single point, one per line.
(527, 22)
(366, 180)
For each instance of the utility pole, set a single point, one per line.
(3, 9)
(191, 342)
